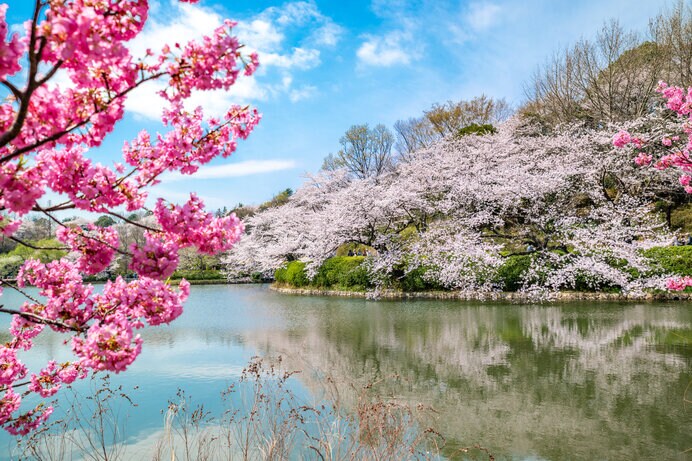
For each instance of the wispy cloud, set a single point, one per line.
(399, 42)
(233, 170)
(483, 15)
(303, 92)
(393, 48)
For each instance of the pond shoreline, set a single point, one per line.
(512, 296)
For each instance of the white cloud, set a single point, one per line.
(300, 58)
(328, 35)
(145, 102)
(233, 170)
(260, 34)
(301, 93)
(175, 22)
(388, 50)
(178, 22)
(307, 14)
(178, 196)
(482, 16)
(296, 13)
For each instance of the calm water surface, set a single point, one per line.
(530, 382)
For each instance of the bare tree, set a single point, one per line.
(365, 152)
(381, 143)
(609, 79)
(447, 119)
(672, 31)
(412, 135)
(617, 74)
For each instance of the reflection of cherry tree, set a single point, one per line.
(457, 209)
(502, 372)
(46, 130)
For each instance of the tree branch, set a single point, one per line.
(34, 247)
(38, 319)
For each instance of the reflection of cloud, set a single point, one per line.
(171, 369)
(233, 170)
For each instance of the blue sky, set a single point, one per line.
(327, 65)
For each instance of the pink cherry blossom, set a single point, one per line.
(29, 421)
(95, 245)
(679, 284)
(643, 159)
(110, 346)
(10, 51)
(46, 131)
(11, 369)
(47, 383)
(622, 139)
(9, 403)
(156, 258)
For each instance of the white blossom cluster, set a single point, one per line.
(578, 208)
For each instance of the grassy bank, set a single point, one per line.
(508, 296)
(349, 274)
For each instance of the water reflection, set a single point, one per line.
(572, 381)
(554, 382)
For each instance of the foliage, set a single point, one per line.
(365, 152)
(414, 280)
(676, 260)
(681, 218)
(352, 249)
(293, 273)
(342, 272)
(9, 265)
(451, 118)
(613, 78)
(477, 129)
(193, 260)
(104, 221)
(279, 199)
(511, 273)
(45, 250)
(66, 76)
(198, 275)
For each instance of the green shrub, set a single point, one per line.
(681, 218)
(413, 280)
(588, 283)
(511, 272)
(9, 265)
(292, 274)
(672, 259)
(257, 277)
(342, 272)
(198, 275)
(477, 129)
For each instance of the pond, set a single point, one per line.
(576, 381)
